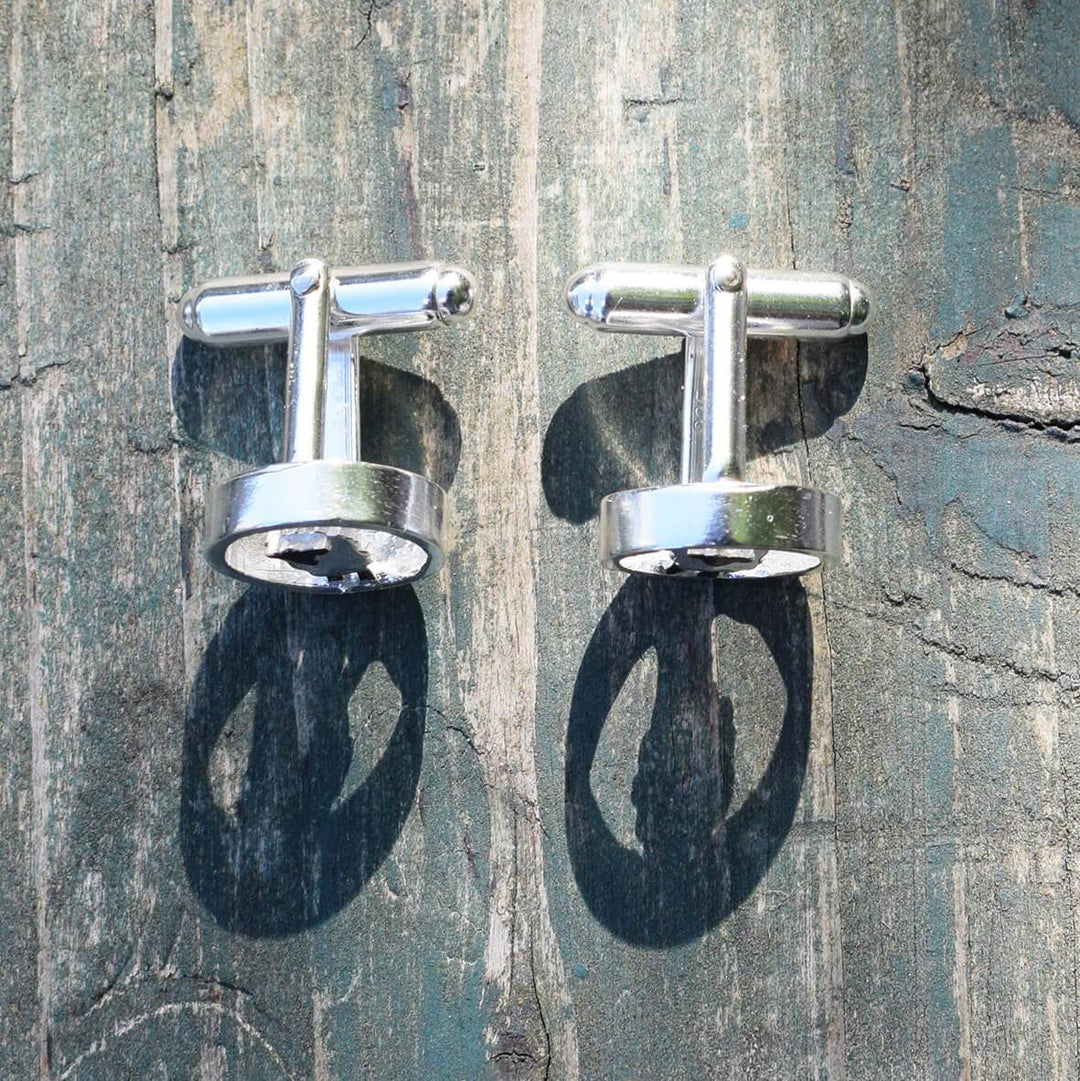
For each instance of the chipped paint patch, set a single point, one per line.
(1013, 369)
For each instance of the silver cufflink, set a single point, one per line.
(321, 520)
(715, 524)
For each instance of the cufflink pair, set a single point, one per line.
(324, 521)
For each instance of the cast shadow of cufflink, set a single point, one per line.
(697, 863)
(278, 846)
(623, 430)
(231, 399)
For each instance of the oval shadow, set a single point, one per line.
(290, 852)
(696, 864)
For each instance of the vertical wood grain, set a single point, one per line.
(101, 634)
(20, 1018)
(534, 820)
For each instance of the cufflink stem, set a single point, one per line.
(305, 380)
(714, 441)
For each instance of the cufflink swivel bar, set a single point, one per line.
(714, 524)
(322, 520)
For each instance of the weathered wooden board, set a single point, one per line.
(533, 820)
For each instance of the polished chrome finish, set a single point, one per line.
(715, 524)
(640, 298)
(725, 529)
(364, 300)
(326, 526)
(341, 417)
(305, 379)
(323, 521)
(717, 439)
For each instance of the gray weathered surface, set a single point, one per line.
(533, 820)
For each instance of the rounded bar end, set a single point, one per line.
(186, 315)
(862, 307)
(585, 300)
(455, 295)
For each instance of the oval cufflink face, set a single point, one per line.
(722, 529)
(327, 526)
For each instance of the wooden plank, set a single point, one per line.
(740, 974)
(100, 643)
(532, 820)
(414, 973)
(20, 1015)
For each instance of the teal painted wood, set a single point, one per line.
(20, 1014)
(533, 820)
